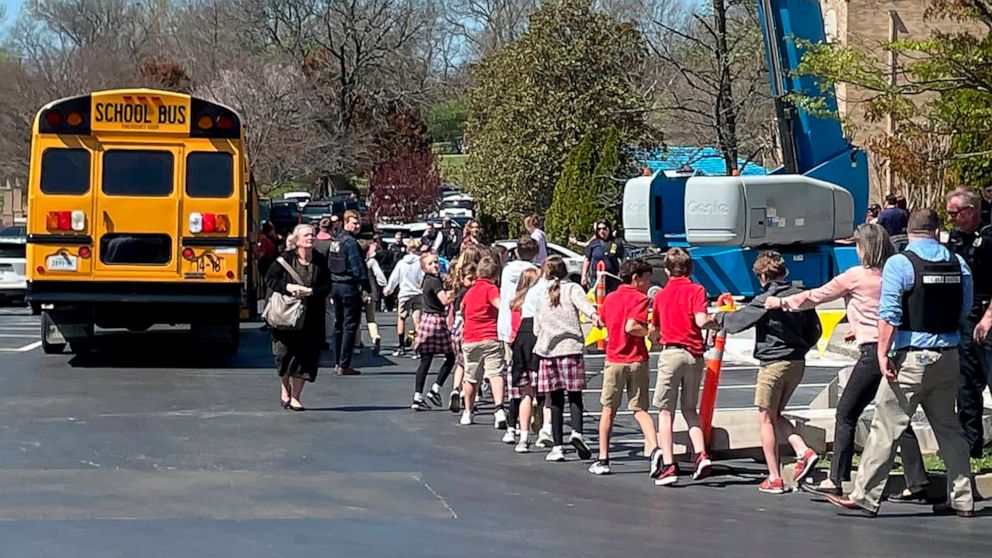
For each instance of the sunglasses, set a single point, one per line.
(953, 214)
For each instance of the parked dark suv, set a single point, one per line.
(284, 215)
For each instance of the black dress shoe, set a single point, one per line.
(285, 404)
(946, 509)
(918, 497)
(297, 409)
(836, 491)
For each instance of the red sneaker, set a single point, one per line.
(805, 464)
(704, 467)
(769, 486)
(670, 475)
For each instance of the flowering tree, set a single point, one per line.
(406, 187)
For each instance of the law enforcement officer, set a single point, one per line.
(973, 242)
(349, 283)
(603, 248)
(926, 291)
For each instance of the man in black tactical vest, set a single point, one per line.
(926, 292)
(973, 242)
(349, 283)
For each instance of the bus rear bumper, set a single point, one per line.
(86, 293)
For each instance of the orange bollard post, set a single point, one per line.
(711, 381)
(600, 297)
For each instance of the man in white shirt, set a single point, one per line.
(526, 250)
(533, 225)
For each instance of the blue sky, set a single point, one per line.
(12, 7)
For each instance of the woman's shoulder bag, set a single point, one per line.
(285, 311)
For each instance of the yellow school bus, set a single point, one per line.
(139, 213)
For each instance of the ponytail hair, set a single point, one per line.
(526, 280)
(554, 271)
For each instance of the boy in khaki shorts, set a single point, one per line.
(781, 342)
(677, 321)
(483, 351)
(625, 316)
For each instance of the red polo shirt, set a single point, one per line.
(480, 314)
(675, 308)
(625, 303)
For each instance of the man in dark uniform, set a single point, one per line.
(973, 242)
(349, 282)
(604, 248)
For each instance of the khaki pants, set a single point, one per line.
(930, 379)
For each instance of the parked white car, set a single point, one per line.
(13, 264)
(573, 259)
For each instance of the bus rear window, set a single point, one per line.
(137, 173)
(65, 171)
(135, 249)
(209, 175)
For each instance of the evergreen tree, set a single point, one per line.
(573, 207)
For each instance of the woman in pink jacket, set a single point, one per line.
(861, 288)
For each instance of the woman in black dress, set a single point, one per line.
(297, 352)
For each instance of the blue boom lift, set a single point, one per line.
(801, 209)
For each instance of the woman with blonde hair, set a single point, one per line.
(560, 345)
(861, 289)
(300, 272)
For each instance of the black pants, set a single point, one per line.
(858, 394)
(575, 407)
(347, 317)
(976, 374)
(425, 367)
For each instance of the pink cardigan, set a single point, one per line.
(861, 288)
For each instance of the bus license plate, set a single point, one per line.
(62, 262)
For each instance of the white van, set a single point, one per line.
(301, 198)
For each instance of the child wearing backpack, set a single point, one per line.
(781, 342)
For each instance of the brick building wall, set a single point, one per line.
(870, 24)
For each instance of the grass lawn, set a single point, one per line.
(932, 463)
(452, 168)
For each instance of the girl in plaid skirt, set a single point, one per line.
(433, 337)
(523, 364)
(560, 344)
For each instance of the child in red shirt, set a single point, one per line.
(625, 315)
(679, 316)
(483, 351)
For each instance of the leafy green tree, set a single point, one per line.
(575, 71)
(446, 121)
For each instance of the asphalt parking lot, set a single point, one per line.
(149, 447)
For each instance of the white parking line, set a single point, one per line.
(20, 335)
(24, 349)
(734, 386)
(655, 412)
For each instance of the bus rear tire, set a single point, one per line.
(52, 342)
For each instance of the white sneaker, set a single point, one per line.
(510, 437)
(599, 468)
(499, 419)
(523, 446)
(544, 440)
(466, 419)
(557, 454)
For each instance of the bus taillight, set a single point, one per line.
(66, 221)
(208, 223)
